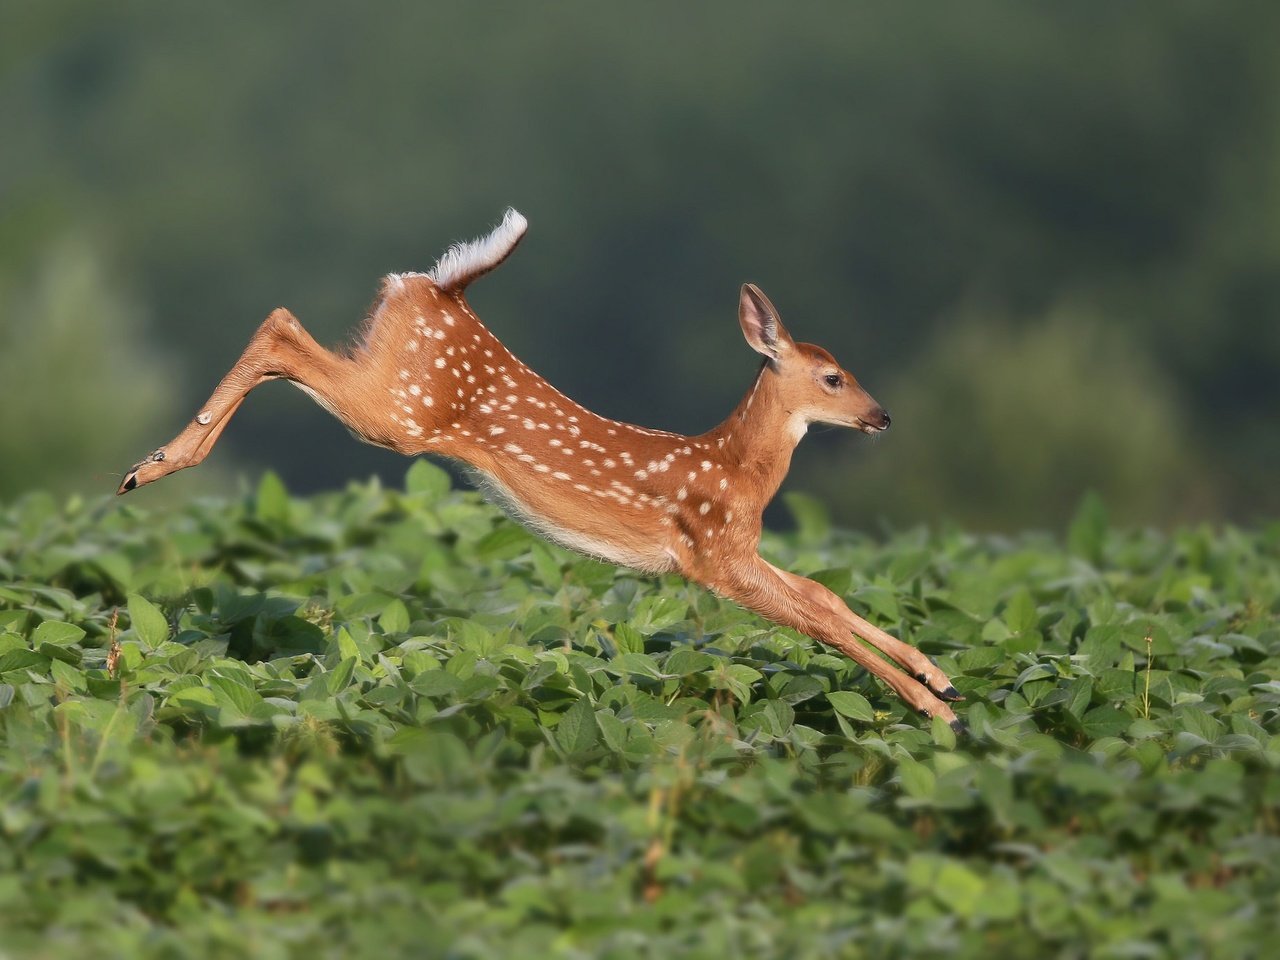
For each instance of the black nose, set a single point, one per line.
(884, 419)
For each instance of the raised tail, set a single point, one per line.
(463, 262)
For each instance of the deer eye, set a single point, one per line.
(833, 379)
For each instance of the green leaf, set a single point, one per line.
(851, 704)
(656, 613)
(394, 617)
(635, 663)
(1088, 531)
(1020, 613)
(66, 675)
(737, 678)
(799, 687)
(942, 733)
(684, 661)
(612, 730)
(1079, 693)
(780, 716)
(959, 888)
(57, 651)
(836, 579)
(918, 781)
(1087, 779)
(1105, 721)
(200, 696)
(1200, 723)
(881, 600)
(347, 646)
(577, 732)
(503, 542)
(339, 678)
(56, 632)
(149, 624)
(424, 479)
(996, 631)
(813, 521)
(747, 676)
(435, 683)
(1000, 899)
(547, 561)
(233, 696)
(627, 638)
(271, 503)
(20, 659)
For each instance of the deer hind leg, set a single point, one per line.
(776, 596)
(280, 349)
(908, 657)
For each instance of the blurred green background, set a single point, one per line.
(1045, 237)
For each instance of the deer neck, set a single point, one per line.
(758, 438)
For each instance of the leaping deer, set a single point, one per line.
(429, 377)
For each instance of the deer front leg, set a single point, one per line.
(280, 348)
(907, 656)
(778, 597)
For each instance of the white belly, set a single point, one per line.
(655, 560)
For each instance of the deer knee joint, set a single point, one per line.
(282, 317)
(279, 325)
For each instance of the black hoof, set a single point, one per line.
(130, 483)
(960, 727)
(950, 693)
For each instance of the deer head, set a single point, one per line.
(811, 385)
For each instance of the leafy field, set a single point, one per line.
(392, 723)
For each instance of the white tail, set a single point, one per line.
(463, 262)
(429, 377)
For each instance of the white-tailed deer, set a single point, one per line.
(429, 377)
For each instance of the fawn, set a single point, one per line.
(429, 377)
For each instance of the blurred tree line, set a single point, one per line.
(1044, 236)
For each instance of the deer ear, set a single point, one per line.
(760, 324)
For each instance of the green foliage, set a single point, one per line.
(393, 723)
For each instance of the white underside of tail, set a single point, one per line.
(463, 262)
